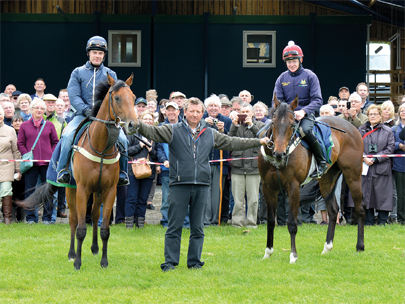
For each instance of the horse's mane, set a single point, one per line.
(101, 90)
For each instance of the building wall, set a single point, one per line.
(198, 55)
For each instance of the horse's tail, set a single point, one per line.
(40, 197)
(332, 193)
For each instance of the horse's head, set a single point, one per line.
(283, 126)
(121, 101)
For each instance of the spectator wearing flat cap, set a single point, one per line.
(180, 99)
(140, 105)
(344, 93)
(14, 100)
(226, 106)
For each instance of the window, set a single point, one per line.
(124, 48)
(259, 49)
(380, 60)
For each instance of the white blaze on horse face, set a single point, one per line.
(268, 252)
(327, 247)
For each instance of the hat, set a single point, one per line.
(177, 94)
(344, 88)
(141, 100)
(172, 104)
(226, 102)
(49, 97)
(16, 93)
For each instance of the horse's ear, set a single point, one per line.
(111, 80)
(128, 82)
(275, 101)
(294, 104)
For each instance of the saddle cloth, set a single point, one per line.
(51, 174)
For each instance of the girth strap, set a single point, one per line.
(94, 158)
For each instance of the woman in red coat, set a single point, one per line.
(46, 143)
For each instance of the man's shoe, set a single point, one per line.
(167, 267)
(61, 214)
(123, 180)
(46, 222)
(64, 177)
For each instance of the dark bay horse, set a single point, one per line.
(280, 169)
(96, 170)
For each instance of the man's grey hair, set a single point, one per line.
(213, 99)
(5, 95)
(237, 99)
(247, 105)
(327, 107)
(261, 104)
(1, 111)
(354, 96)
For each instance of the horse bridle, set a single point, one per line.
(113, 126)
(284, 160)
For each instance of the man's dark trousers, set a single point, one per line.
(182, 196)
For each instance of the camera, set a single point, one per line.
(372, 148)
(215, 121)
(348, 105)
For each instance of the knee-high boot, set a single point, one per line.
(7, 209)
(320, 159)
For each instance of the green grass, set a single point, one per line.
(34, 267)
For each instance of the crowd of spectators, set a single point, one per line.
(235, 185)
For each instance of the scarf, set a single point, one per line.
(37, 123)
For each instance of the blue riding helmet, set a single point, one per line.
(97, 43)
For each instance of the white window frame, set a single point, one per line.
(273, 51)
(110, 49)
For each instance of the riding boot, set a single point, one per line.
(129, 222)
(7, 209)
(140, 222)
(320, 159)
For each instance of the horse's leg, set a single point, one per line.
(271, 197)
(294, 200)
(354, 183)
(82, 196)
(95, 215)
(327, 186)
(71, 201)
(105, 226)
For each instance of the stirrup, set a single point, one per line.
(320, 171)
(64, 176)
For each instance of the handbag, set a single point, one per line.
(26, 165)
(142, 169)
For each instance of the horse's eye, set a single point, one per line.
(116, 98)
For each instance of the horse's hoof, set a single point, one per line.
(104, 264)
(293, 258)
(268, 252)
(77, 265)
(327, 247)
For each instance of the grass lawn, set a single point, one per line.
(34, 267)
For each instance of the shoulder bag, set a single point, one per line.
(26, 165)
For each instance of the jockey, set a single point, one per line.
(81, 90)
(304, 83)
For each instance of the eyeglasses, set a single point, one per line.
(14, 97)
(39, 108)
(374, 114)
(162, 106)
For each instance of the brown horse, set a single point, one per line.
(95, 167)
(280, 169)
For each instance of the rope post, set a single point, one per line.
(221, 168)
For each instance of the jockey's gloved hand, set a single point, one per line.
(87, 113)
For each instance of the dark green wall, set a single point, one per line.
(173, 51)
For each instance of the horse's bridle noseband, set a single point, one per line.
(270, 145)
